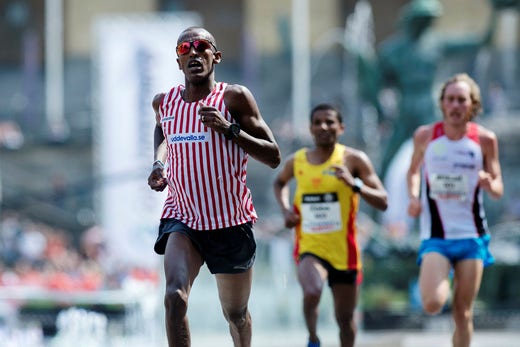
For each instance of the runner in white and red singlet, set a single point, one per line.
(454, 161)
(205, 132)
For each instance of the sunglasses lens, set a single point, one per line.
(201, 45)
(183, 48)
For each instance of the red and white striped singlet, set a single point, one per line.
(206, 172)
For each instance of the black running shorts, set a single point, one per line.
(228, 250)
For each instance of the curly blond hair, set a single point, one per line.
(474, 92)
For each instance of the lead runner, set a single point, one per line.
(205, 132)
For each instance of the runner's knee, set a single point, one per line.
(312, 296)
(432, 305)
(237, 318)
(461, 314)
(176, 301)
(345, 319)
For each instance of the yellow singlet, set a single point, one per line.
(328, 209)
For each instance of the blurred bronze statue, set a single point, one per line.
(409, 60)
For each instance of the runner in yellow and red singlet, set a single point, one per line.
(330, 180)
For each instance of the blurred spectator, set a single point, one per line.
(37, 255)
(59, 190)
(32, 244)
(11, 136)
(10, 231)
(93, 244)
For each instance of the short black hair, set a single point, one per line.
(327, 107)
(203, 31)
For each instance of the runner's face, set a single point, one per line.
(325, 127)
(198, 64)
(456, 103)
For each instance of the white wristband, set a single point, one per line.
(158, 162)
(358, 184)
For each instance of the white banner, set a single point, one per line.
(134, 59)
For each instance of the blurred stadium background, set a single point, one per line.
(78, 221)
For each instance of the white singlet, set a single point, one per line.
(452, 201)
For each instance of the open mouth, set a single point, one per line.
(195, 65)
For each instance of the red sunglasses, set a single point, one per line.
(199, 45)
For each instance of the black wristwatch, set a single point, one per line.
(233, 131)
(358, 184)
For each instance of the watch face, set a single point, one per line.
(233, 131)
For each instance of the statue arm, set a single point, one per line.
(370, 83)
(368, 77)
(473, 43)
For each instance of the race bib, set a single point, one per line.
(321, 213)
(448, 186)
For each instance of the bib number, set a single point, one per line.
(321, 213)
(448, 186)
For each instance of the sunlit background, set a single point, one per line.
(78, 220)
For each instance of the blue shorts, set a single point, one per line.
(458, 249)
